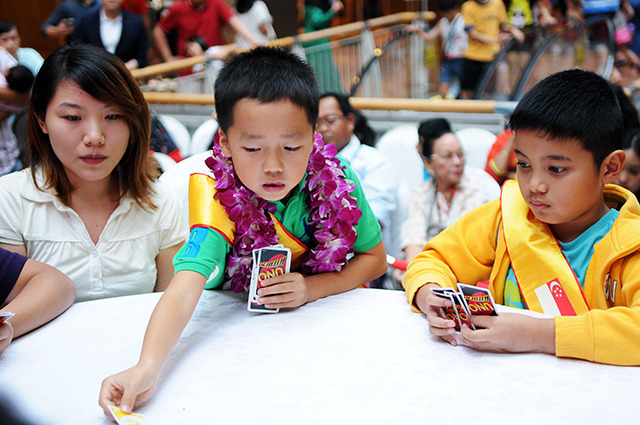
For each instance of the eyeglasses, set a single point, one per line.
(448, 157)
(330, 120)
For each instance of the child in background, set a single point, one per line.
(273, 184)
(451, 29)
(485, 21)
(255, 15)
(561, 240)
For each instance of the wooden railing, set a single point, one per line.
(386, 104)
(339, 31)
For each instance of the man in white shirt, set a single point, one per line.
(336, 124)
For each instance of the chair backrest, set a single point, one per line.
(476, 143)
(399, 147)
(164, 161)
(178, 132)
(203, 136)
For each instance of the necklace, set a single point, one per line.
(332, 219)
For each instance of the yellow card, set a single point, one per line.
(127, 418)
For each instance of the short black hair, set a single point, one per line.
(20, 78)
(6, 26)
(430, 131)
(574, 104)
(343, 102)
(265, 74)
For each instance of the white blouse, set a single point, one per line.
(429, 213)
(123, 260)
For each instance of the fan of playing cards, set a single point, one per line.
(267, 262)
(466, 301)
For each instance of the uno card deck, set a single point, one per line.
(479, 300)
(267, 262)
(6, 315)
(468, 300)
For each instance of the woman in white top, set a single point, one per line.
(89, 203)
(452, 191)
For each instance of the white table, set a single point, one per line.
(359, 357)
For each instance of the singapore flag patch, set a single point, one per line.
(554, 300)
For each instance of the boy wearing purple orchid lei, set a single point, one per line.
(275, 182)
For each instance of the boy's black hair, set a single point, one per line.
(574, 104)
(343, 102)
(447, 5)
(265, 74)
(20, 78)
(6, 26)
(430, 131)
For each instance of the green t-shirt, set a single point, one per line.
(206, 250)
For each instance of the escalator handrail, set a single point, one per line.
(544, 47)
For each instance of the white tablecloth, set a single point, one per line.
(358, 357)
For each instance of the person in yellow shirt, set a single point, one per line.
(486, 23)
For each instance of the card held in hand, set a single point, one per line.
(268, 262)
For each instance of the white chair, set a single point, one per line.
(399, 147)
(178, 132)
(476, 143)
(203, 136)
(177, 177)
(164, 161)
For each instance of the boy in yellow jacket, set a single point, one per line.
(561, 240)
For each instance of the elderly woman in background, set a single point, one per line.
(450, 192)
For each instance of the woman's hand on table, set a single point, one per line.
(127, 389)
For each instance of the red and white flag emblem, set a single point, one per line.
(554, 300)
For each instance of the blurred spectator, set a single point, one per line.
(451, 29)
(190, 18)
(140, 8)
(255, 15)
(486, 24)
(19, 79)
(317, 16)
(336, 124)
(629, 178)
(501, 160)
(10, 41)
(116, 30)
(452, 191)
(65, 17)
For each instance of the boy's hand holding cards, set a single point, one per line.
(267, 262)
(466, 301)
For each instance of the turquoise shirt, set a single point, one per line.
(206, 250)
(578, 253)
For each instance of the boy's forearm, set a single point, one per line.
(362, 268)
(169, 318)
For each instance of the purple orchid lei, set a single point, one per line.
(334, 214)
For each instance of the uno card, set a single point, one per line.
(451, 313)
(271, 261)
(127, 418)
(461, 307)
(6, 315)
(479, 300)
